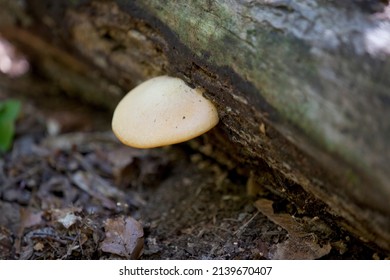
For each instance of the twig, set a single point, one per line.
(242, 228)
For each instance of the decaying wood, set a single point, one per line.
(301, 86)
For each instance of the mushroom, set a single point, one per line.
(162, 111)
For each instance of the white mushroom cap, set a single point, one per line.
(162, 111)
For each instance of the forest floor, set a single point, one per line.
(70, 190)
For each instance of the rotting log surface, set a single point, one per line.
(301, 86)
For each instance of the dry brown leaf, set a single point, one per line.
(262, 128)
(39, 246)
(92, 184)
(125, 163)
(299, 248)
(300, 244)
(6, 242)
(48, 190)
(29, 218)
(132, 167)
(66, 217)
(124, 237)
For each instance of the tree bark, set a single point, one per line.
(301, 86)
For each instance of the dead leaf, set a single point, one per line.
(49, 190)
(95, 187)
(66, 217)
(29, 218)
(134, 167)
(299, 248)
(125, 164)
(262, 128)
(124, 237)
(39, 246)
(300, 245)
(6, 242)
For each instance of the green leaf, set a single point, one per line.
(6, 135)
(9, 111)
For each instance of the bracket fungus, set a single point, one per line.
(162, 111)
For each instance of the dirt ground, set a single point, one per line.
(70, 190)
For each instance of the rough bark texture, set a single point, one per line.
(301, 86)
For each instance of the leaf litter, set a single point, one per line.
(83, 195)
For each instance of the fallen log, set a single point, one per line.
(301, 88)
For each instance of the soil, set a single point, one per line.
(70, 190)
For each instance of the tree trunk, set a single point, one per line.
(301, 87)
